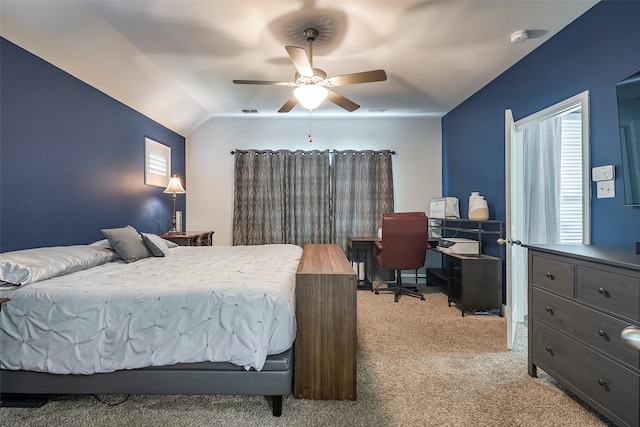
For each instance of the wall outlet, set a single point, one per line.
(602, 173)
(606, 189)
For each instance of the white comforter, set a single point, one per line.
(233, 304)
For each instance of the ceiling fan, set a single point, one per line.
(313, 85)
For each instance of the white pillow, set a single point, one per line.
(33, 265)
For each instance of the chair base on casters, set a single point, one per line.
(399, 290)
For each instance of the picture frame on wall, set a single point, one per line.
(157, 163)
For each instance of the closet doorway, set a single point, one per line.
(547, 190)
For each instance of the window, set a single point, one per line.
(305, 197)
(571, 179)
(157, 163)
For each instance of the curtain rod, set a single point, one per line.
(330, 151)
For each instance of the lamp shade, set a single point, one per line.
(174, 186)
(310, 96)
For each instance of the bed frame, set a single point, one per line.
(273, 381)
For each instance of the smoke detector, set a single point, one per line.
(519, 36)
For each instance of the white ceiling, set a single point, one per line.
(174, 61)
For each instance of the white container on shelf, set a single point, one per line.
(478, 208)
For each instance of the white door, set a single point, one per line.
(518, 184)
(515, 264)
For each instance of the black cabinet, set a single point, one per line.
(474, 282)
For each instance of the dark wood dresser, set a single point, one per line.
(581, 298)
(326, 315)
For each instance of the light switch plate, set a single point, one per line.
(602, 173)
(606, 189)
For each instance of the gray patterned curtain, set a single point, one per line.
(362, 192)
(281, 197)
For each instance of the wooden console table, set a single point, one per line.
(326, 338)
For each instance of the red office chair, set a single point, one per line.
(405, 239)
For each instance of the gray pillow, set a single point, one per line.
(153, 248)
(163, 244)
(127, 243)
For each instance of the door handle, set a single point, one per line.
(631, 336)
(509, 242)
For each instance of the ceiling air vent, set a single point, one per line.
(249, 110)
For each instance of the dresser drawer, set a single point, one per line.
(607, 385)
(552, 274)
(609, 291)
(585, 324)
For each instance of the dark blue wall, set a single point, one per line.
(593, 53)
(72, 159)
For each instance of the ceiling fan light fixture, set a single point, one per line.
(310, 96)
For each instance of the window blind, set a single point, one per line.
(571, 180)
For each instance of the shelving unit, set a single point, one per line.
(472, 281)
(475, 229)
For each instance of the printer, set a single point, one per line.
(457, 245)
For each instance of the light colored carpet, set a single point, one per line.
(420, 363)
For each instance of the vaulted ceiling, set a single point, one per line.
(174, 61)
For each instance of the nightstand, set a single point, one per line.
(191, 238)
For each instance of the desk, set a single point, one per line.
(360, 249)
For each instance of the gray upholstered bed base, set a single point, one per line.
(274, 380)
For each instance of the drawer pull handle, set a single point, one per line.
(550, 276)
(549, 350)
(603, 384)
(549, 309)
(603, 291)
(602, 333)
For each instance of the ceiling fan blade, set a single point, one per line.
(363, 77)
(341, 101)
(300, 60)
(288, 105)
(263, 82)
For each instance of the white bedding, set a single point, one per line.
(224, 304)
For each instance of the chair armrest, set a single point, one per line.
(377, 247)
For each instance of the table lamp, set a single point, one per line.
(174, 187)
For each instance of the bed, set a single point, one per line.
(179, 320)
